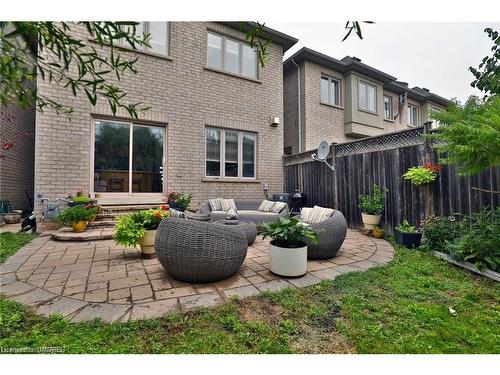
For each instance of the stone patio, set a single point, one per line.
(98, 279)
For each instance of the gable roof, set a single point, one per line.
(284, 40)
(349, 63)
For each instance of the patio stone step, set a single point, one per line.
(91, 234)
(102, 224)
(108, 208)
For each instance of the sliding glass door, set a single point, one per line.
(128, 158)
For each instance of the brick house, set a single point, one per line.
(342, 100)
(211, 129)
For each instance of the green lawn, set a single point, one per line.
(399, 308)
(11, 242)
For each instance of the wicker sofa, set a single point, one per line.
(247, 210)
(199, 252)
(332, 233)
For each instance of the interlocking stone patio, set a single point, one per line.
(98, 279)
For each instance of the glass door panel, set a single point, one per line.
(111, 157)
(147, 159)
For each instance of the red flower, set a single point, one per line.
(158, 215)
(437, 168)
(428, 165)
(165, 207)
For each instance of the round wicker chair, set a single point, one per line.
(199, 252)
(331, 233)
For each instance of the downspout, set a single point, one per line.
(298, 104)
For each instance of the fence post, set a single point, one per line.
(428, 154)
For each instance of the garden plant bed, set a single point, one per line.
(469, 266)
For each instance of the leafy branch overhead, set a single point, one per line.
(51, 52)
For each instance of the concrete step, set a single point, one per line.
(91, 234)
(128, 207)
(102, 224)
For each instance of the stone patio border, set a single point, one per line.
(46, 297)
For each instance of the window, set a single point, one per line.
(128, 157)
(367, 96)
(412, 115)
(231, 56)
(435, 123)
(230, 153)
(330, 91)
(158, 36)
(388, 108)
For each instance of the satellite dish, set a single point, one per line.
(323, 150)
(322, 154)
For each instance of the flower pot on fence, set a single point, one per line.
(408, 239)
(79, 226)
(147, 244)
(286, 261)
(370, 221)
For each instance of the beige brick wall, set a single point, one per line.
(17, 125)
(185, 97)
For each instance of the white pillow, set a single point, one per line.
(215, 204)
(279, 206)
(226, 204)
(305, 214)
(266, 206)
(319, 214)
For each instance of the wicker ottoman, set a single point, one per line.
(248, 227)
(200, 252)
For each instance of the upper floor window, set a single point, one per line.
(412, 115)
(158, 36)
(230, 153)
(231, 56)
(388, 115)
(367, 96)
(330, 91)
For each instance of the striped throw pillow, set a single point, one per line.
(305, 214)
(215, 204)
(226, 204)
(176, 214)
(266, 206)
(279, 206)
(319, 214)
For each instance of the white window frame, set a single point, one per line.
(223, 56)
(222, 151)
(391, 112)
(130, 193)
(410, 107)
(366, 95)
(331, 100)
(146, 49)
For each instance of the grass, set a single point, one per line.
(400, 308)
(11, 242)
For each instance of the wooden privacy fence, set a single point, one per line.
(383, 160)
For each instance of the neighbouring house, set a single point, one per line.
(214, 127)
(17, 156)
(342, 100)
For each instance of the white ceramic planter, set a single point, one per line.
(370, 221)
(285, 261)
(148, 244)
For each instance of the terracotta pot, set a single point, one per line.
(370, 221)
(79, 226)
(286, 261)
(148, 244)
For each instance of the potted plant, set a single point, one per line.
(408, 235)
(139, 228)
(76, 217)
(78, 199)
(288, 251)
(422, 175)
(172, 199)
(378, 232)
(183, 201)
(372, 206)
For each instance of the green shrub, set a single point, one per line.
(422, 175)
(184, 200)
(81, 199)
(438, 231)
(288, 232)
(406, 227)
(76, 213)
(480, 242)
(373, 204)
